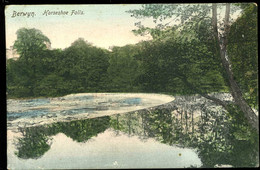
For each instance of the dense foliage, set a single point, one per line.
(203, 22)
(79, 68)
(243, 51)
(155, 66)
(176, 61)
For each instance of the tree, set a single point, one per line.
(123, 68)
(243, 53)
(168, 62)
(190, 17)
(46, 72)
(18, 81)
(30, 45)
(30, 42)
(84, 67)
(227, 65)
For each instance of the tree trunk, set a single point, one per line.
(234, 88)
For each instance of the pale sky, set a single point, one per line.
(102, 25)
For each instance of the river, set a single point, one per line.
(123, 131)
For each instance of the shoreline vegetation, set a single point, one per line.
(178, 60)
(203, 56)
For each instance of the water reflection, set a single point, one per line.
(218, 138)
(37, 140)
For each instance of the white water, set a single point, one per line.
(21, 113)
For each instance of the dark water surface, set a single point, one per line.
(192, 133)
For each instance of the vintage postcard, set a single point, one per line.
(132, 86)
